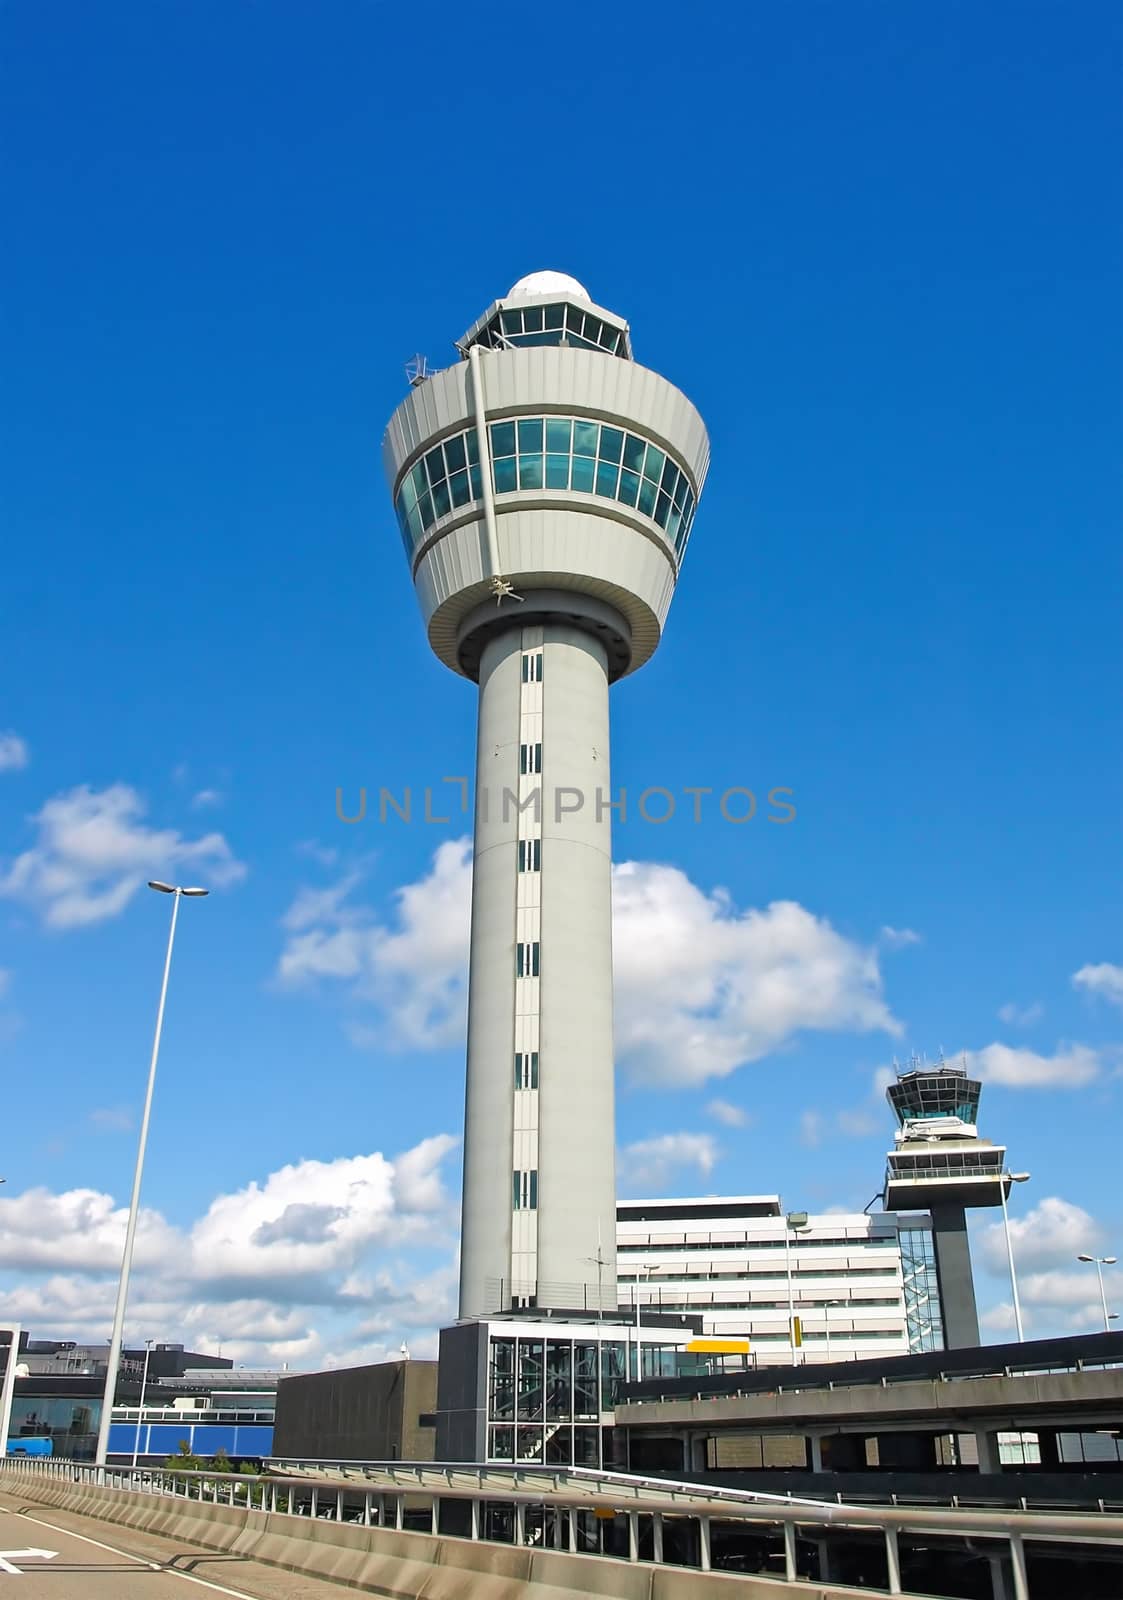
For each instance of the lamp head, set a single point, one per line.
(196, 891)
(164, 888)
(1085, 1258)
(1108, 1261)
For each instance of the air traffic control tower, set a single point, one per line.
(939, 1164)
(545, 485)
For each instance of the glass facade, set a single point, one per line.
(946, 1092)
(557, 454)
(537, 324)
(924, 1321)
(927, 1163)
(70, 1424)
(547, 1397)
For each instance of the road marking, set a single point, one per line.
(141, 1561)
(8, 1556)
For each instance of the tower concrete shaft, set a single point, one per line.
(545, 487)
(540, 988)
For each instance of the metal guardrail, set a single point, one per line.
(548, 1513)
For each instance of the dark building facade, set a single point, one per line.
(358, 1413)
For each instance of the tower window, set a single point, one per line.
(524, 1187)
(530, 855)
(530, 758)
(532, 667)
(581, 455)
(527, 960)
(526, 1069)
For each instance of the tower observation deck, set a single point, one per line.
(940, 1164)
(545, 486)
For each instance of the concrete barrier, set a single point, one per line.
(406, 1565)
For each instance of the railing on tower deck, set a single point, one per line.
(557, 1509)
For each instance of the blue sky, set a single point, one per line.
(879, 246)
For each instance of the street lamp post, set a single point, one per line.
(792, 1220)
(826, 1308)
(1012, 1177)
(114, 1361)
(599, 1262)
(647, 1270)
(8, 1387)
(827, 1304)
(143, 1387)
(1101, 1262)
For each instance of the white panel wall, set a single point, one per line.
(740, 1288)
(485, 1254)
(576, 1139)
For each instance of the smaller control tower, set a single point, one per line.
(939, 1164)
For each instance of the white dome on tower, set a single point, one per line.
(536, 284)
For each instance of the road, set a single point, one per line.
(96, 1560)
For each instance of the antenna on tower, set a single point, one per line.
(504, 589)
(417, 370)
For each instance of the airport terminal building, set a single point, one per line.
(836, 1287)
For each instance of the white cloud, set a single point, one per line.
(14, 754)
(897, 938)
(349, 1242)
(999, 1319)
(206, 798)
(93, 852)
(811, 1129)
(1054, 1232)
(729, 1115)
(700, 987)
(414, 969)
(313, 1220)
(860, 1123)
(1102, 979)
(1070, 1067)
(649, 1164)
(1057, 1293)
(111, 1119)
(852, 1122)
(323, 854)
(317, 906)
(1021, 1016)
(78, 1230)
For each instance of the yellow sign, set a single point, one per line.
(797, 1332)
(718, 1347)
